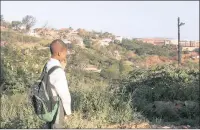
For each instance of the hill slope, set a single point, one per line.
(99, 99)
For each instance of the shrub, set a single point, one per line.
(164, 84)
(87, 42)
(12, 37)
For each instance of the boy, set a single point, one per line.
(58, 79)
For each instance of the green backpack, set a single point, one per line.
(42, 98)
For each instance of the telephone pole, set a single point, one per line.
(179, 45)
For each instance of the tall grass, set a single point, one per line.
(96, 103)
(13, 37)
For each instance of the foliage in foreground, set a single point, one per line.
(97, 102)
(92, 99)
(169, 93)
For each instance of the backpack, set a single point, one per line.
(41, 96)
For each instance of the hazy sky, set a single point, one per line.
(125, 18)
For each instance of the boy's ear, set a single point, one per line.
(58, 53)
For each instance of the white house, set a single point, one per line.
(22, 27)
(66, 41)
(118, 38)
(32, 33)
(74, 32)
(174, 42)
(167, 42)
(105, 41)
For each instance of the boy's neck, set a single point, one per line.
(54, 57)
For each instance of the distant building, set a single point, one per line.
(174, 42)
(23, 27)
(186, 45)
(66, 41)
(64, 29)
(105, 41)
(119, 38)
(155, 41)
(32, 33)
(74, 32)
(189, 43)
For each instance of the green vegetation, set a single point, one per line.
(13, 37)
(165, 85)
(197, 50)
(92, 98)
(121, 93)
(87, 42)
(141, 48)
(28, 21)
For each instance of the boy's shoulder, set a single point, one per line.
(51, 63)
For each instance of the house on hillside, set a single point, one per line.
(174, 42)
(105, 41)
(32, 32)
(66, 30)
(186, 45)
(75, 39)
(119, 38)
(155, 41)
(66, 41)
(23, 27)
(167, 42)
(75, 32)
(63, 29)
(189, 43)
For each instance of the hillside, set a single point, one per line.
(110, 85)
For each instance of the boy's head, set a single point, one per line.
(58, 50)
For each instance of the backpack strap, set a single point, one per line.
(49, 72)
(52, 69)
(43, 71)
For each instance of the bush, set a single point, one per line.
(12, 37)
(197, 50)
(141, 48)
(98, 102)
(186, 52)
(87, 42)
(112, 72)
(92, 99)
(165, 85)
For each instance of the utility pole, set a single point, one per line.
(179, 45)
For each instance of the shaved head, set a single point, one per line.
(57, 46)
(58, 49)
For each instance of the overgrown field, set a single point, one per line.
(121, 94)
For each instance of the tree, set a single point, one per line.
(197, 50)
(16, 24)
(112, 72)
(87, 42)
(140, 51)
(3, 23)
(2, 18)
(186, 51)
(29, 21)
